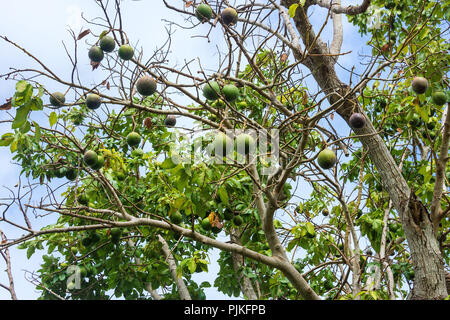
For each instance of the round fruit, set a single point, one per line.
(83, 199)
(326, 159)
(357, 120)
(222, 144)
(439, 98)
(137, 153)
(133, 139)
(228, 214)
(61, 172)
(245, 143)
(176, 217)
(90, 157)
(211, 90)
(170, 121)
(96, 54)
(237, 220)
(57, 99)
(419, 85)
(93, 101)
(229, 16)
(74, 250)
(99, 164)
(203, 12)
(107, 44)
(126, 52)
(231, 92)
(146, 86)
(71, 174)
(116, 233)
(325, 212)
(120, 176)
(206, 224)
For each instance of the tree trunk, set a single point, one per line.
(427, 260)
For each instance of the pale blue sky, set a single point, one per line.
(41, 26)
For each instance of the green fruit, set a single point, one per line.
(237, 220)
(206, 224)
(74, 250)
(326, 159)
(325, 212)
(116, 233)
(107, 44)
(176, 217)
(137, 153)
(99, 164)
(61, 172)
(96, 54)
(83, 199)
(71, 174)
(170, 121)
(90, 157)
(229, 16)
(439, 98)
(86, 241)
(120, 175)
(57, 99)
(203, 12)
(419, 85)
(245, 143)
(211, 90)
(228, 214)
(126, 52)
(230, 92)
(93, 101)
(146, 86)
(222, 144)
(133, 139)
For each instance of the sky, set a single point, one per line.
(42, 26)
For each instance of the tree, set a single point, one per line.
(370, 220)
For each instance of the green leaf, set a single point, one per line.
(21, 86)
(21, 116)
(292, 9)
(310, 228)
(168, 164)
(423, 114)
(223, 194)
(30, 251)
(26, 127)
(6, 139)
(37, 130)
(53, 118)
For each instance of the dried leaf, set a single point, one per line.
(83, 34)
(6, 105)
(332, 115)
(385, 48)
(148, 122)
(284, 57)
(399, 130)
(188, 4)
(108, 85)
(94, 65)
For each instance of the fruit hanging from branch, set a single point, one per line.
(107, 44)
(211, 90)
(326, 159)
(133, 139)
(439, 98)
(125, 52)
(146, 86)
(229, 16)
(170, 121)
(419, 85)
(96, 54)
(57, 99)
(203, 12)
(93, 101)
(357, 120)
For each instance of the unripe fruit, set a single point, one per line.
(211, 90)
(203, 12)
(176, 217)
(126, 52)
(237, 220)
(90, 157)
(222, 144)
(116, 233)
(357, 120)
(206, 224)
(61, 172)
(71, 174)
(325, 212)
(245, 143)
(146, 86)
(96, 54)
(133, 139)
(99, 164)
(439, 98)
(57, 99)
(170, 121)
(137, 153)
(93, 101)
(419, 85)
(83, 199)
(107, 44)
(231, 92)
(326, 159)
(229, 16)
